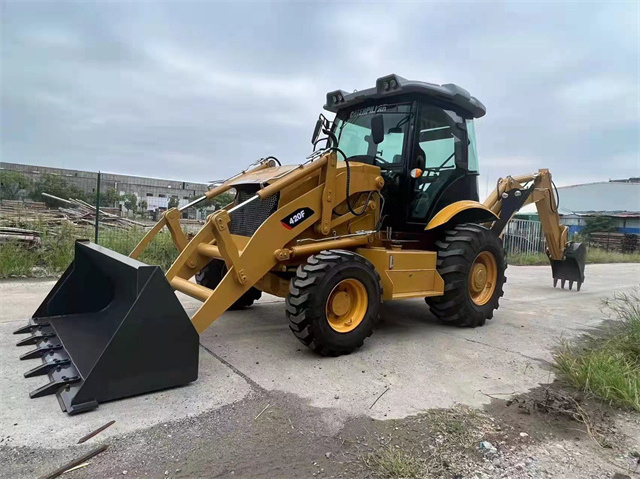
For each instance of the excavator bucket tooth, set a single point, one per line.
(36, 337)
(99, 331)
(28, 328)
(571, 267)
(46, 367)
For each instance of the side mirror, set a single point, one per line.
(377, 129)
(316, 131)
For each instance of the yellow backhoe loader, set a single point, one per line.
(385, 208)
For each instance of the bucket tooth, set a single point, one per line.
(26, 329)
(40, 351)
(47, 367)
(33, 324)
(35, 338)
(53, 387)
(555, 282)
(579, 285)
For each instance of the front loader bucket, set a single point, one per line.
(111, 327)
(571, 268)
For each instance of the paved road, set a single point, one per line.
(422, 364)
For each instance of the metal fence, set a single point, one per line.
(524, 237)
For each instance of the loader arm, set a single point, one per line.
(249, 259)
(514, 192)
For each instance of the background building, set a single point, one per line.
(154, 191)
(616, 199)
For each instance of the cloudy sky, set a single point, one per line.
(196, 91)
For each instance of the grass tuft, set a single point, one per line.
(607, 366)
(393, 463)
(448, 446)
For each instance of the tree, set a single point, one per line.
(142, 204)
(108, 198)
(57, 186)
(598, 224)
(130, 201)
(173, 202)
(222, 200)
(12, 183)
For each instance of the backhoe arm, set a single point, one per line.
(512, 193)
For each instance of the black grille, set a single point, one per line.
(248, 219)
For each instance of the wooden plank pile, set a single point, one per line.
(620, 242)
(74, 211)
(81, 213)
(27, 237)
(16, 213)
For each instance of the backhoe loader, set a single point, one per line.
(386, 207)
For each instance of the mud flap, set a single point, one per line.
(571, 267)
(110, 328)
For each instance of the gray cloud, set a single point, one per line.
(198, 90)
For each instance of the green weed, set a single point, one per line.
(607, 366)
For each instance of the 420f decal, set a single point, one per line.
(297, 217)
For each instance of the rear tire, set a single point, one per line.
(472, 263)
(334, 302)
(211, 275)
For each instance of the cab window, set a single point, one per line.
(353, 129)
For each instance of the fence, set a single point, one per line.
(524, 237)
(618, 242)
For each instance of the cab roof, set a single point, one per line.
(393, 85)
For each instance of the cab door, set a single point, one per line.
(440, 154)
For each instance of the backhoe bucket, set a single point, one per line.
(111, 327)
(571, 268)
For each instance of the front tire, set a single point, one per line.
(333, 302)
(471, 261)
(211, 275)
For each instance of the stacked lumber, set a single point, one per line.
(74, 211)
(28, 237)
(620, 242)
(81, 213)
(14, 213)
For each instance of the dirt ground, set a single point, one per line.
(271, 434)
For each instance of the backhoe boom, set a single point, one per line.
(512, 193)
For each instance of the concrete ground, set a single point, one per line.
(420, 363)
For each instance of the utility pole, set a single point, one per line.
(97, 209)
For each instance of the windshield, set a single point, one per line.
(353, 130)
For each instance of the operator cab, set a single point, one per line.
(420, 135)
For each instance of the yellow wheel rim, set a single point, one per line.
(483, 278)
(347, 305)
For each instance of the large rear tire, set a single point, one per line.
(334, 302)
(211, 275)
(471, 261)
